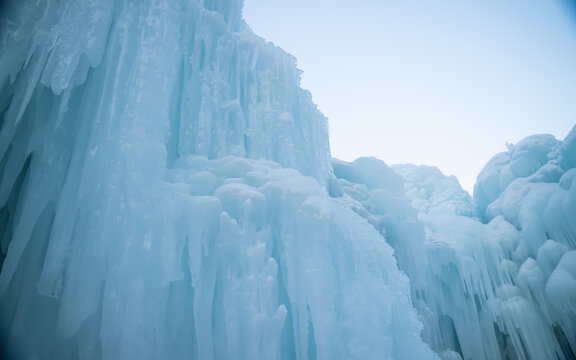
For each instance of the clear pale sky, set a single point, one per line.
(444, 83)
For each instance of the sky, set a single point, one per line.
(445, 83)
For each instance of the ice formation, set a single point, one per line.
(167, 192)
(492, 277)
(139, 217)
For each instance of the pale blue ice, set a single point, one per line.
(167, 192)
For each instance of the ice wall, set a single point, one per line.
(536, 187)
(209, 86)
(164, 195)
(166, 192)
(500, 288)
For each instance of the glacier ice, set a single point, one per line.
(167, 192)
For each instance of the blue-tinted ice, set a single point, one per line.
(167, 192)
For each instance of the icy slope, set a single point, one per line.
(499, 289)
(138, 219)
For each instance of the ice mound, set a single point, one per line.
(509, 269)
(493, 289)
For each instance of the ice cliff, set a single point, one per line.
(167, 192)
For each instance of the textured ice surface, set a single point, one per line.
(139, 219)
(166, 192)
(497, 289)
(432, 192)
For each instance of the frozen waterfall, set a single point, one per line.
(496, 280)
(167, 192)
